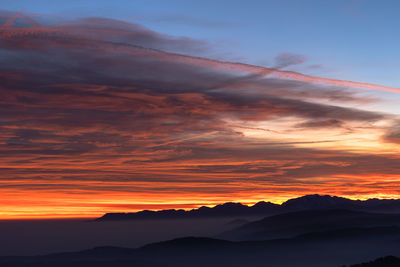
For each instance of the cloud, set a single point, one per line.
(119, 32)
(184, 20)
(286, 59)
(393, 135)
(109, 108)
(321, 123)
(86, 33)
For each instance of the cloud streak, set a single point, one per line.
(78, 32)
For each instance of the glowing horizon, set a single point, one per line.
(126, 208)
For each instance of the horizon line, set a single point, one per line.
(49, 217)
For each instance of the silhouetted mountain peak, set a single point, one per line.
(231, 205)
(264, 204)
(318, 202)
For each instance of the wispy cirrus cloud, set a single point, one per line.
(287, 59)
(183, 20)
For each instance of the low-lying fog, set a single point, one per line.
(35, 237)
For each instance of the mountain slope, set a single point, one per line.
(388, 261)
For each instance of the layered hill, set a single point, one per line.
(295, 223)
(322, 249)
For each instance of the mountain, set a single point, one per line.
(327, 249)
(295, 223)
(314, 202)
(228, 209)
(388, 261)
(262, 209)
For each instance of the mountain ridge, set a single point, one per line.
(263, 208)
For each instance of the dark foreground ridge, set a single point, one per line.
(230, 209)
(388, 261)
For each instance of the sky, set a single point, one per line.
(129, 105)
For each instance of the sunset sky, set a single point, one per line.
(114, 106)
